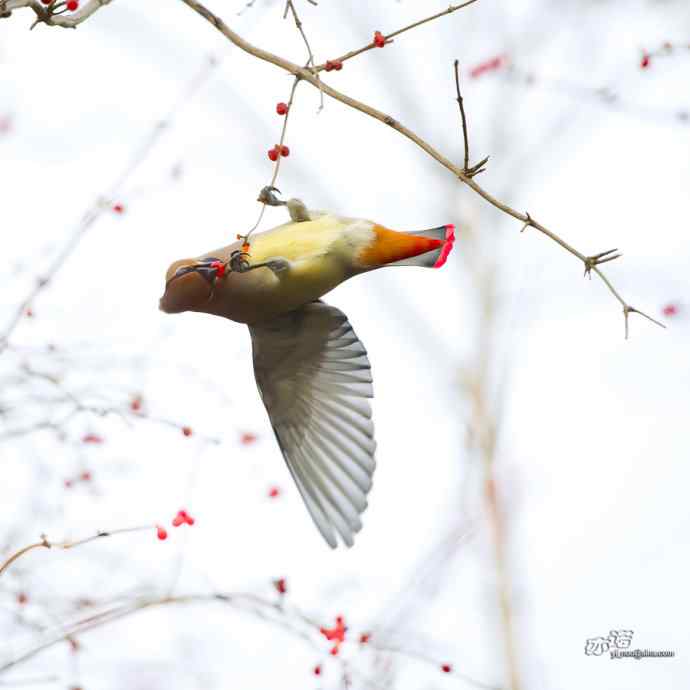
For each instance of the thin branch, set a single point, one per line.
(388, 37)
(45, 14)
(290, 618)
(46, 544)
(276, 167)
(308, 76)
(289, 5)
(462, 114)
(298, 23)
(479, 167)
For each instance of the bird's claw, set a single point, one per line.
(267, 196)
(238, 261)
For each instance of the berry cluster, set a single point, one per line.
(331, 65)
(71, 5)
(182, 518)
(278, 150)
(335, 634)
(220, 268)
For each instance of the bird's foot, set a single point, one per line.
(296, 208)
(267, 196)
(239, 260)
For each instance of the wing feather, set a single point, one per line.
(314, 378)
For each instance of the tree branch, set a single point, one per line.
(45, 14)
(46, 544)
(310, 74)
(389, 37)
(307, 75)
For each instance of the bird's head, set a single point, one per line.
(190, 284)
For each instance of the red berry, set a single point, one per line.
(364, 638)
(284, 151)
(161, 533)
(92, 438)
(379, 39)
(282, 108)
(29, 312)
(334, 650)
(68, 483)
(337, 65)
(86, 476)
(189, 520)
(220, 268)
(247, 438)
(317, 670)
(46, 2)
(72, 5)
(329, 66)
(280, 585)
(22, 598)
(187, 430)
(446, 668)
(177, 520)
(135, 403)
(273, 153)
(644, 63)
(118, 208)
(274, 492)
(670, 310)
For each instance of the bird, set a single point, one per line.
(312, 371)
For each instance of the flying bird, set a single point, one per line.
(311, 369)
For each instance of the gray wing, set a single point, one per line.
(314, 378)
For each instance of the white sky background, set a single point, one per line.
(594, 443)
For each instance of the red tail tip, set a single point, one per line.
(447, 247)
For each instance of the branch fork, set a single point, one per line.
(601, 258)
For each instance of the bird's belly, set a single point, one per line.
(271, 294)
(306, 281)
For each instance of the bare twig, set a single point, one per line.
(389, 37)
(478, 168)
(46, 544)
(289, 5)
(276, 167)
(290, 618)
(46, 15)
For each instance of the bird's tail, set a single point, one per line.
(428, 248)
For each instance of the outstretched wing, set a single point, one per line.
(314, 377)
